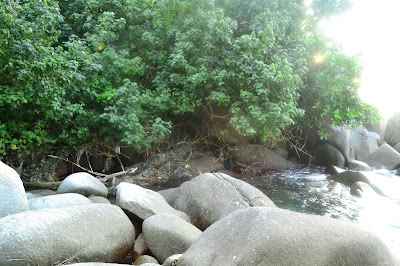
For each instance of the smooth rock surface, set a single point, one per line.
(258, 158)
(211, 196)
(144, 202)
(145, 259)
(340, 139)
(58, 201)
(37, 193)
(167, 234)
(140, 247)
(272, 236)
(172, 260)
(84, 233)
(392, 133)
(98, 199)
(363, 143)
(83, 183)
(12, 192)
(385, 156)
(359, 166)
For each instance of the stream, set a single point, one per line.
(307, 190)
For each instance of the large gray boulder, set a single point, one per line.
(340, 139)
(364, 143)
(384, 156)
(58, 201)
(167, 234)
(144, 202)
(392, 133)
(83, 183)
(272, 236)
(326, 154)
(258, 158)
(210, 197)
(84, 233)
(12, 192)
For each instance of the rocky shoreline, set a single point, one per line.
(213, 219)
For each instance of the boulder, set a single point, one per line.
(145, 259)
(209, 197)
(359, 166)
(384, 156)
(282, 152)
(397, 147)
(12, 192)
(272, 236)
(258, 158)
(83, 183)
(392, 133)
(143, 203)
(326, 154)
(363, 143)
(205, 164)
(83, 233)
(172, 260)
(58, 201)
(37, 193)
(167, 234)
(340, 139)
(383, 184)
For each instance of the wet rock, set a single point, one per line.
(84, 233)
(144, 202)
(359, 166)
(259, 158)
(326, 154)
(12, 192)
(383, 184)
(172, 260)
(58, 201)
(362, 190)
(37, 193)
(272, 236)
(363, 143)
(384, 156)
(145, 259)
(209, 197)
(83, 183)
(167, 234)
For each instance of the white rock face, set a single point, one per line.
(12, 192)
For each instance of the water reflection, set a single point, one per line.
(307, 190)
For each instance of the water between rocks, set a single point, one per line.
(307, 190)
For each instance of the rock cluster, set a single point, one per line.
(242, 226)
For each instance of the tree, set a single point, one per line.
(118, 71)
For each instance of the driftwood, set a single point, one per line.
(42, 185)
(107, 177)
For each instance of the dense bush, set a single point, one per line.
(118, 70)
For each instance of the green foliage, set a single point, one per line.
(117, 70)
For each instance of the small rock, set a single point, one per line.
(83, 183)
(172, 260)
(145, 259)
(167, 234)
(140, 247)
(98, 199)
(37, 193)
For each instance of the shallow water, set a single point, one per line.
(307, 190)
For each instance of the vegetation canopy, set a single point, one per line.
(118, 71)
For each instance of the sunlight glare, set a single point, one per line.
(371, 28)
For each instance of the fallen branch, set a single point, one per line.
(104, 176)
(107, 177)
(42, 185)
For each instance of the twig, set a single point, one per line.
(107, 177)
(77, 165)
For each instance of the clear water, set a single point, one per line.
(307, 190)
